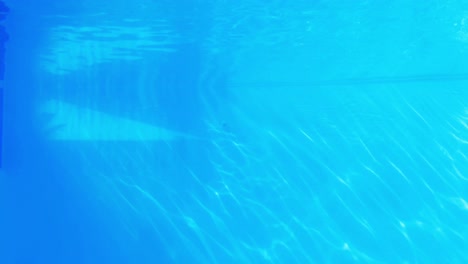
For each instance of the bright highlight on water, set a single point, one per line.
(69, 122)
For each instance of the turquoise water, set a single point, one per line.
(235, 132)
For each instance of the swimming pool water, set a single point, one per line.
(235, 132)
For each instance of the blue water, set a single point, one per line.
(154, 131)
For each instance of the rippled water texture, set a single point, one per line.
(240, 132)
